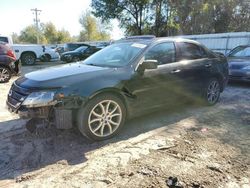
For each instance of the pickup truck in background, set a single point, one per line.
(29, 53)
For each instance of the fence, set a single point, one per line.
(222, 42)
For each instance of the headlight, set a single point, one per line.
(39, 99)
(246, 68)
(67, 56)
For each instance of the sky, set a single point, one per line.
(15, 15)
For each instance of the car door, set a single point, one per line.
(156, 87)
(196, 67)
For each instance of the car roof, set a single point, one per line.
(176, 39)
(77, 43)
(156, 39)
(243, 46)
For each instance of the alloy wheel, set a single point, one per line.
(28, 59)
(105, 118)
(213, 92)
(4, 74)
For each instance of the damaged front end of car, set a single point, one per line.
(51, 106)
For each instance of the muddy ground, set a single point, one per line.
(200, 146)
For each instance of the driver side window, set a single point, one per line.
(164, 53)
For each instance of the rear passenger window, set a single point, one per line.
(164, 53)
(190, 51)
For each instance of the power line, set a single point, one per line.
(36, 20)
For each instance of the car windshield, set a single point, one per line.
(116, 55)
(241, 51)
(81, 49)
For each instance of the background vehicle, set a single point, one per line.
(78, 54)
(6, 39)
(7, 63)
(73, 45)
(99, 44)
(59, 49)
(29, 53)
(239, 63)
(121, 81)
(49, 54)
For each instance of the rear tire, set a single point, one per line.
(212, 91)
(102, 117)
(28, 59)
(5, 74)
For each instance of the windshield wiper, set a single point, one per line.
(92, 64)
(110, 66)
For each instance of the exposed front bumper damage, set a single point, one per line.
(28, 113)
(60, 113)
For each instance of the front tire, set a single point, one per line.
(212, 91)
(102, 117)
(5, 74)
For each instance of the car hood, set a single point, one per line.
(62, 76)
(238, 63)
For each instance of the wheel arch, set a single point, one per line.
(114, 91)
(5, 66)
(47, 54)
(220, 79)
(28, 52)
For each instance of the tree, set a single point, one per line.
(63, 36)
(92, 31)
(211, 16)
(172, 17)
(29, 35)
(130, 13)
(240, 20)
(47, 35)
(50, 32)
(15, 38)
(161, 19)
(54, 36)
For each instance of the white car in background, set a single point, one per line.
(49, 54)
(29, 53)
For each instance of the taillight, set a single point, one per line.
(11, 54)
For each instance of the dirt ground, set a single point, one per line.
(195, 145)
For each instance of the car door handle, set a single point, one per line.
(208, 65)
(175, 71)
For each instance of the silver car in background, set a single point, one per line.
(239, 63)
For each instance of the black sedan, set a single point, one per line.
(121, 81)
(79, 54)
(239, 63)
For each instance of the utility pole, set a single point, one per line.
(36, 20)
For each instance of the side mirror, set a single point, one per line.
(220, 55)
(149, 64)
